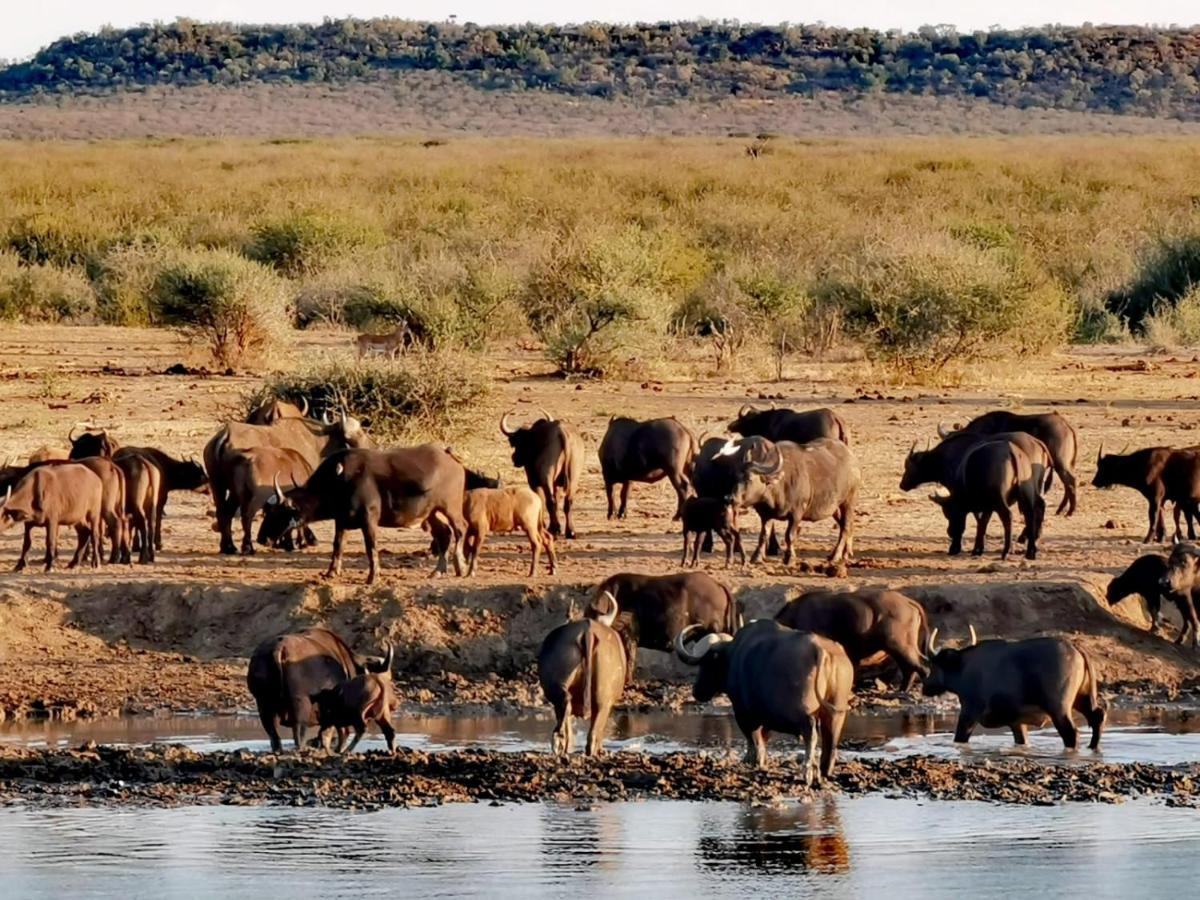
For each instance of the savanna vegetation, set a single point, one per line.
(608, 254)
(1112, 69)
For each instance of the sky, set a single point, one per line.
(28, 26)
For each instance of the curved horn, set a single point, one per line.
(278, 489)
(912, 449)
(742, 411)
(545, 415)
(326, 418)
(304, 406)
(931, 645)
(771, 469)
(504, 429)
(1100, 453)
(943, 431)
(71, 434)
(388, 656)
(611, 615)
(681, 649)
(974, 639)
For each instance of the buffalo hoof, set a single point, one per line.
(1031, 553)
(229, 549)
(248, 550)
(570, 535)
(20, 566)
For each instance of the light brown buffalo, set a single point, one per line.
(53, 495)
(503, 511)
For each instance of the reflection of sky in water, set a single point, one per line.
(1168, 739)
(842, 847)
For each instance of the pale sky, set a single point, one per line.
(28, 26)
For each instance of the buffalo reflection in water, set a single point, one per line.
(777, 839)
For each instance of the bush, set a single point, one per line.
(1176, 325)
(424, 396)
(238, 308)
(924, 306)
(299, 245)
(598, 301)
(45, 240)
(1169, 271)
(43, 293)
(124, 280)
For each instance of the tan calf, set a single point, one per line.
(503, 511)
(54, 495)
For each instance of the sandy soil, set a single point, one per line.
(175, 635)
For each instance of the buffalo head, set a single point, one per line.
(91, 443)
(918, 466)
(759, 461)
(527, 441)
(283, 513)
(750, 420)
(945, 666)
(1182, 567)
(1109, 468)
(711, 655)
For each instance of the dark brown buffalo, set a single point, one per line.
(1181, 582)
(551, 453)
(991, 478)
(581, 667)
(173, 475)
(355, 703)
(704, 515)
(646, 452)
(1146, 577)
(797, 483)
(51, 495)
(373, 489)
(1014, 684)
(714, 476)
(287, 671)
(1160, 474)
(865, 623)
(311, 439)
(271, 411)
(1051, 428)
(655, 608)
(778, 680)
(254, 478)
(787, 425)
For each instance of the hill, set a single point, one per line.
(1112, 70)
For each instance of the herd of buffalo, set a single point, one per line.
(792, 674)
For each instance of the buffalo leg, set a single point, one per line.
(158, 517)
(623, 508)
(707, 546)
(339, 542)
(844, 548)
(680, 484)
(1095, 716)
(548, 543)
(737, 545)
(82, 543)
(26, 542)
(271, 726)
(1153, 514)
(560, 738)
(595, 738)
(359, 730)
(1066, 728)
(789, 540)
(962, 730)
(370, 533)
(226, 508)
(756, 746)
(247, 516)
(630, 642)
(51, 544)
(757, 555)
(773, 548)
(1019, 734)
(981, 525)
(568, 502)
(549, 497)
(831, 733)
(535, 548)
(687, 535)
(301, 713)
(1004, 514)
(477, 545)
(389, 733)
(458, 529)
(810, 733)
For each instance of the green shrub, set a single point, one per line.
(1170, 269)
(1176, 325)
(597, 301)
(43, 239)
(241, 310)
(423, 396)
(299, 245)
(44, 293)
(124, 279)
(924, 305)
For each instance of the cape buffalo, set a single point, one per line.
(779, 680)
(358, 701)
(787, 425)
(866, 622)
(1181, 582)
(54, 494)
(503, 510)
(370, 489)
(581, 667)
(990, 478)
(1050, 428)
(646, 452)
(287, 671)
(704, 515)
(1146, 577)
(551, 453)
(1161, 475)
(174, 475)
(798, 483)
(1015, 684)
(655, 608)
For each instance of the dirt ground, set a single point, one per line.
(175, 635)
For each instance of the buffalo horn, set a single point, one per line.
(912, 449)
(974, 639)
(7, 494)
(278, 490)
(943, 431)
(71, 434)
(326, 418)
(681, 648)
(388, 656)
(742, 411)
(1100, 454)
(931, 646)
(504, 429)
(545, 415)
(769, 469)
(610, 615)
(304, 406)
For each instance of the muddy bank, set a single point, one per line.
(154, 647)
(173, 775)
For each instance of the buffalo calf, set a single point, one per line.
(503, 511)
(355, 703)
(704, 515)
